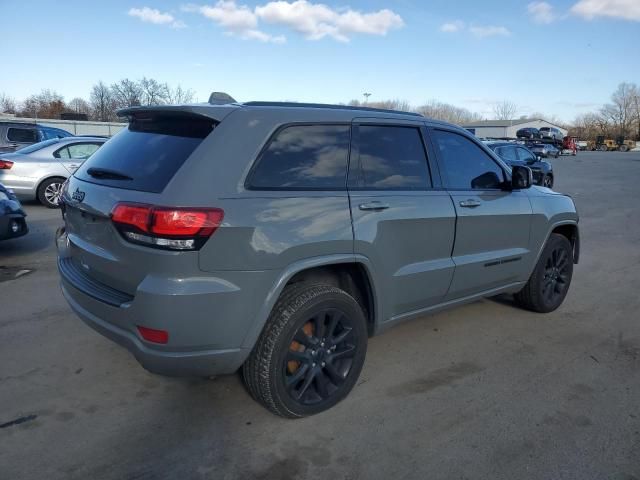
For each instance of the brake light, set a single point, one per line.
(5, 164)
(173, 228)
(153, 335)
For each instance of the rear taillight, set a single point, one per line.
(5, 164)
(171, 228)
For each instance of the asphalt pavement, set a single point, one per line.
(484, 391)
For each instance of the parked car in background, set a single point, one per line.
(39, 170)
(582, 145)
(12, 216)
(16, 135)
(515, 154)
(209, 238)
(529, 133)
(553, 134)
(544, 150)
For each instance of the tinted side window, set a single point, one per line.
(22, 135)
(507, 153)
(465, 164)
(393, 158)
(304, 157)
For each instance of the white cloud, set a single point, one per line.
(152, 15)
(238, 20)
(452, 27)
(625, 9)
(489, 31)
(316, 20)
(313, 20)
(541, 12)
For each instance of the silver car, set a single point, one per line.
(39, 170)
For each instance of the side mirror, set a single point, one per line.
(521, 177)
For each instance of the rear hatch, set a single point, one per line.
(126, 178)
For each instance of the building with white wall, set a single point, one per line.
(507, 128)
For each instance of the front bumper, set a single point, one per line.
(207, 319)
(6, 231)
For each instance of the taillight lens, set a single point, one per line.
(5, 164)
(172, 228)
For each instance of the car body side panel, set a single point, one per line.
(28, 172)
(492, 240)
(410, 245)
(550, 210)
(271, 230)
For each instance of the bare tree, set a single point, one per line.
(505, 110)
(7, 104)
(79, 105)
(153, 92)
(179, 95)
(102, 102)
(46, 104)
(448, 113)
(620, 111)
(126, 93)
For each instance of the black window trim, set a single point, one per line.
(357, 185)
(248, 180)
(56, 154)
(490, 153)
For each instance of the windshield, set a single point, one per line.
(37, 146)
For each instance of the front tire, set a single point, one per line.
(549, 283)
(547, 181)
(49, 192)
(310, 353)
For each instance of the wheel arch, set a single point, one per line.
(349, 272)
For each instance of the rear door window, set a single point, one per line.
(304, 157)
(79, 151)
(149, 152)
(22, 135)
(392, 158)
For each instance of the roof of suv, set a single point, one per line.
(332, 112)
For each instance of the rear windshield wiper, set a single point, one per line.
(107, 174)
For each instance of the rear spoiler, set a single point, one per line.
(215, 112)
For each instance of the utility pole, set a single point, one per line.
(366, 96)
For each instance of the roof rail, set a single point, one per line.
(327, 106)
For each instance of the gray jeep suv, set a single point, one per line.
(277, 237)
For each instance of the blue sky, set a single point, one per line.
(559, 57)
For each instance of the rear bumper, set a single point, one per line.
(207, 318)
(200, 363)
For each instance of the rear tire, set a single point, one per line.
(310, 353)
(49, 192)
(624, 148)
(549, 283)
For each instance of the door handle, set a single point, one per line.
(470, 203)
(373, 206)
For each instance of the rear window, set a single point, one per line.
(149, 152)
(37, 146)
(22, 135)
